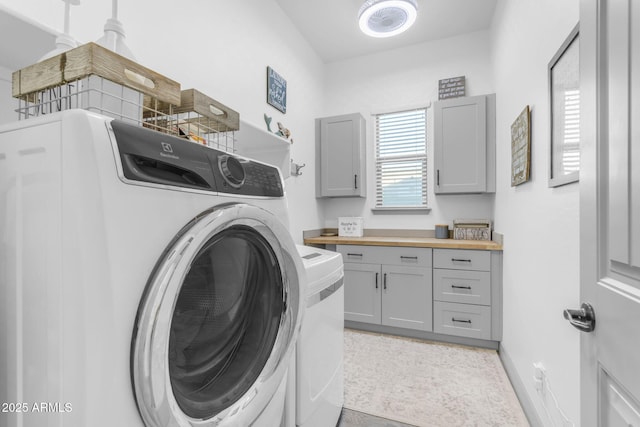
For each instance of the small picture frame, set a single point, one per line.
(564, 107)
(276, 90)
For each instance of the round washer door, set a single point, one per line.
(218, 320)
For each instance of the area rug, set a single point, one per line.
(427, 384)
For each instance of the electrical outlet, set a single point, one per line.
(539, 377)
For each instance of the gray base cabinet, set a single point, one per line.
(388, 286)
(453, 293)
(362, 295)
(467, 298)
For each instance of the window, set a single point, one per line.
(401, 159)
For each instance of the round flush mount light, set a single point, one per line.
(386, 18)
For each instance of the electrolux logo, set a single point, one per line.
(167, 151)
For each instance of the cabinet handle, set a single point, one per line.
(377, 280)
(461, 287)
(453, 319)
(408, 257)
(348, 254)
(385, 281)
(460, 260)
(355, 181)
(438, 177)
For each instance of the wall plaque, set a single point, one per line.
(521, 148)
(453, 87)
(276, 90)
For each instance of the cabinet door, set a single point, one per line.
(341, 154)
(407, 297)
(362, 291)
(461, 151)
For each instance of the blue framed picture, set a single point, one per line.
(276, 90)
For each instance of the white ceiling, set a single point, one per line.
(331, 26)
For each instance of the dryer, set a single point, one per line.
(144, 280)
(319, 354)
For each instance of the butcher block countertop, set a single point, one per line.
(418, 242)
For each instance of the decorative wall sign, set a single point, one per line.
(564, 105)
(276, 90)
(521, 148)
(453, 87)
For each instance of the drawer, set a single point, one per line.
(410, 257)
(462, 259)
(464, 320)
(468, 287)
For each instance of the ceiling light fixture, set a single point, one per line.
(387, 18)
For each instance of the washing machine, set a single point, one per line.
(319, 352)
(144, 280)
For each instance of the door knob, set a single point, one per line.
(583, 319)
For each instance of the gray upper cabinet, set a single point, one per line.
(340, 156)
(464, 148)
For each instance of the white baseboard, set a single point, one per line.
(525, 401)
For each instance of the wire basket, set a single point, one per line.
(198, 118)
(96, 79)
(92, 93)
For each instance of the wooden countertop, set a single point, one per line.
(419, 242)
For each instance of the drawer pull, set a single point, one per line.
(348, 254)
(408, 257)
(453, 319)
(377, 280)
(460, 260)
(461, 287)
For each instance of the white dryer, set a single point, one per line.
(319, 353)
(144, 280)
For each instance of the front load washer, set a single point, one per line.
(319, 352)
(144, 280)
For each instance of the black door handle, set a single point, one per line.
(385, 281)
(583, 319)
(377, 280)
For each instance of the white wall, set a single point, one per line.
(222, 48)
(404, 78)
(540, 224)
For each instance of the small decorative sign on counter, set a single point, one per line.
(472, 229)
(350, 226)
(452, 87)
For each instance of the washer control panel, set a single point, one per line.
(156, 158)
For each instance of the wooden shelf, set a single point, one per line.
(264, 146)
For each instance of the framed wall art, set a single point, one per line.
(521, 148)
(564, 107)
(276, 90)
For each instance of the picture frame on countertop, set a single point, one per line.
(521, 148)
(564, 107)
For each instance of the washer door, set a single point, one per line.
(218, 320)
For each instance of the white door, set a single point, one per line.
(610, 211)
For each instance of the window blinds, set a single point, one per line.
(401, 159)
